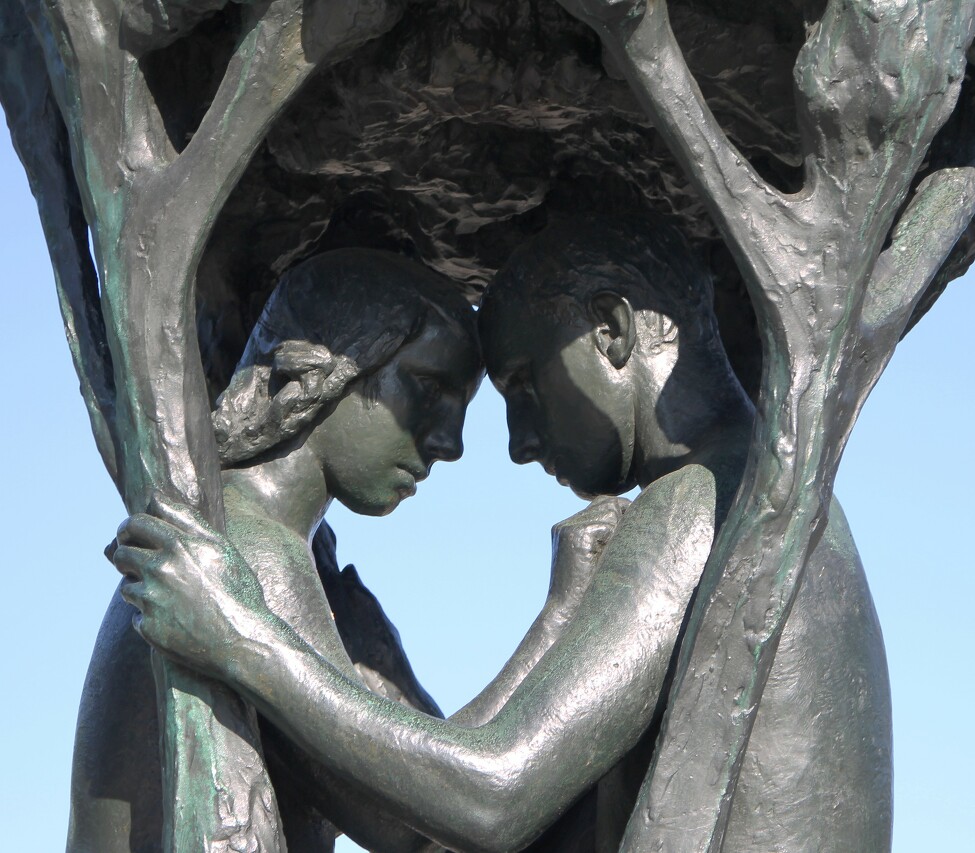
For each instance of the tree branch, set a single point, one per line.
(151, 212)
(867, 130)
(40, 140)
(757, 221)
(940, 212)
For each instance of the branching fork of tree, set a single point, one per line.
(150, 208)
(874, 83)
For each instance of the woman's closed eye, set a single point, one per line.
(431, 387)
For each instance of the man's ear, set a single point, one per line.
(615, 326)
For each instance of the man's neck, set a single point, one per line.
(690, 423)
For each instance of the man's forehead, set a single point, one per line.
(513, 337)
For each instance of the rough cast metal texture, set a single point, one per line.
(468, 128)
(472, 124)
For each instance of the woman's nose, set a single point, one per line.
(444, 440)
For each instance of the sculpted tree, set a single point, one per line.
(836, 272)
(77, 81)
(874, 83)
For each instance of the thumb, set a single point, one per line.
(181, 516)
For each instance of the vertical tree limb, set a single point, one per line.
(875, 82)
(151, 210)
(813, 388)
(40, 140)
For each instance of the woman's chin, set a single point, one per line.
(378, 506)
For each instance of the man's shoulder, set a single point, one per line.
(689, 489)
(673, 514)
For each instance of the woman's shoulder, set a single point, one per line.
(259, 538)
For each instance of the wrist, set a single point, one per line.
(252, 654)
(570, 578)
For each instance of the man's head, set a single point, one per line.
(581, 332)
(366, 358)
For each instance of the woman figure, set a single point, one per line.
(354, 382)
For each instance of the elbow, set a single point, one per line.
(505, 812)
(493, 830)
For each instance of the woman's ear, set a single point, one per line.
(615, 326)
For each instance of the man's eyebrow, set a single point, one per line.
(511, 372)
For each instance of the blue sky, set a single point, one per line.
(462, 568)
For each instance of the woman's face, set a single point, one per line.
(389, 429)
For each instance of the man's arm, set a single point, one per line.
(489, 788)
(577, 544)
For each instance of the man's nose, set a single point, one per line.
(524, 445)
(524, 448)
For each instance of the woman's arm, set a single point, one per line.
(494, 787)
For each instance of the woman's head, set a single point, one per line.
(347, 323)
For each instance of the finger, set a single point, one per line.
(602, 534)
(110, 550)
(145, 531)
(180, 515)
(134, 593)
(607, 507)
(134, 562)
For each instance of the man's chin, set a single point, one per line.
(590, 490)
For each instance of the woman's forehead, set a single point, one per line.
(443, 347)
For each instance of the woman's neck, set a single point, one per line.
(288, 488)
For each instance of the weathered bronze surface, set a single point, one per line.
(707, 673)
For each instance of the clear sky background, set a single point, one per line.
(462, 568)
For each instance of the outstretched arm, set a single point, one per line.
(494, 787)
(577, 544)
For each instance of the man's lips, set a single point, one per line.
(551, 468)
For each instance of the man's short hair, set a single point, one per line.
(559, 271)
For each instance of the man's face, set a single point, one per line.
(568, 407)
(386, 433)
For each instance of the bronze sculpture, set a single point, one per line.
(839, 258)
(606, 350)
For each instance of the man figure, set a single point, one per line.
(602, 339)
